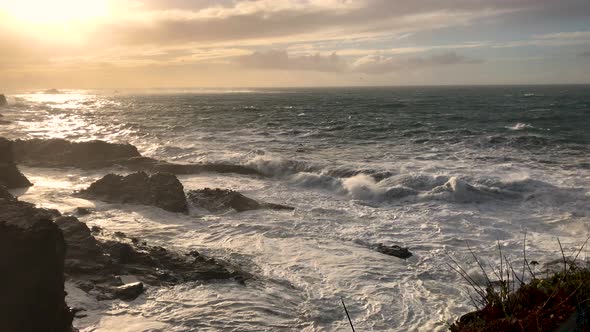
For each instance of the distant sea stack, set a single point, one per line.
(3, 101)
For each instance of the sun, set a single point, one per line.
(54, 12)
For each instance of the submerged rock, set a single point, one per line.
(162, 190)
(216, 200)
(10, 176)
(393, 250)
(32, 252)
(3, 101)
(62, 153)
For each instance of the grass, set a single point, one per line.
(521, 301)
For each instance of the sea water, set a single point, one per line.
(435, 169)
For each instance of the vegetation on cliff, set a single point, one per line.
(559, 301)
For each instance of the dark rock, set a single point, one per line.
(100, 154)
(3, 101)
(82, 211)
(152, 165)
(129, 292)
(100, 261)
(161, 189)
(62, 153)
(215, 200)
(10, 176)
(32, 252)
(85, 254)
(96, 230)
(394, 250)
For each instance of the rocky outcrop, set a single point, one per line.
(10, 176)
(3, 101)
(62, 153)
(32, 253)
(153, 165)
(162, 190)
(100, 154)
(216, 200)
(95, 260)
(393, 250)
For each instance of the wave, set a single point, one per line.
(421, 187)
(520, 126)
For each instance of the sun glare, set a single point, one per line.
(44, 12)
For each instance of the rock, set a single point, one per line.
(101, 261)
(162, 190)
(85, 253)
(52, 92)
(3, 101)
(82, 211)
(215, 200)
(394, 250)
(10, 176)
(62, 153)
(100, 154)
(152, 165)
(129, 292)
(32, 252)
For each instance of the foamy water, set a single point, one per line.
(429, 169)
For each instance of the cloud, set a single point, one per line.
(379, 64)
(281, 60)
(298, 20)
(585, 54)
(370, 64)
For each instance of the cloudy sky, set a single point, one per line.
(236, 43)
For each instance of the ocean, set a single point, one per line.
(434, 169)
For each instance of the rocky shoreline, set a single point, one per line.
(103, 264)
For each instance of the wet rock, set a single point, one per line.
(101, 261)
(100, 154)
(62, 153)
(82, 211)
(216, 200)
(129, 292)
(3, 101)
(85, 253)
(32, 252)
(152, 165)
(393, 250)
(10, 176)
(162, 190)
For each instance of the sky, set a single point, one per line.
(270, 43)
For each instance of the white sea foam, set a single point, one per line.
(520, 126)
